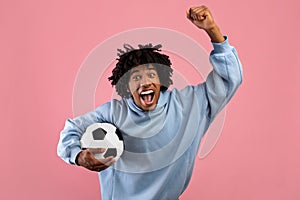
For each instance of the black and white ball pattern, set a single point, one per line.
(103, 135)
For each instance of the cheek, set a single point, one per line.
(157, 80)
(132, 87)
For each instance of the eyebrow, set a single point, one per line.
(148, 68)
(134, 71)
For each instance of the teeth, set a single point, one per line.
(147, 92)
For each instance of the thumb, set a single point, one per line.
(188, 15)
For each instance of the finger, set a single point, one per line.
(110, 162)
(200, 13)
(96, 150)
(204, 12)
(100, 168)
(198, 8)
(103, 164)
(95, 165)
(192, 15)
(107, 161)
(90, 159)
(188, 15)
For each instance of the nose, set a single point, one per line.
(145, 81)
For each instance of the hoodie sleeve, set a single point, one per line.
(225, 78)
(69, 143)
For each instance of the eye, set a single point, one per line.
(136, 77)
(152, 75)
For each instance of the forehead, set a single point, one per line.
(141, 68)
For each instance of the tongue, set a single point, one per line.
(147, 98)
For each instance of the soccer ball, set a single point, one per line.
(103, 135)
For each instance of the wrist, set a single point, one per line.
(77, 159)
(74, 154)
(215, 34)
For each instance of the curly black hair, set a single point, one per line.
(130, 58)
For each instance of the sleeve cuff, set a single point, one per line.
(222, 47)
(74, 152)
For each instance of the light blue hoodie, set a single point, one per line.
(160, 145)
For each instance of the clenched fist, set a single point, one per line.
(203, 19)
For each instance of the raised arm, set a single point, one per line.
(226, 76)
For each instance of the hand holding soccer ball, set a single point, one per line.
(102, 144)
(87, 160)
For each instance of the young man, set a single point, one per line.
(161, 129)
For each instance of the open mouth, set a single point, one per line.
(147, 96)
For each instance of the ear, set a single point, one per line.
(128, 92)
(127, 89)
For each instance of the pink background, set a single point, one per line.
(42, 45)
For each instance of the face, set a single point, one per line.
(144, 86)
